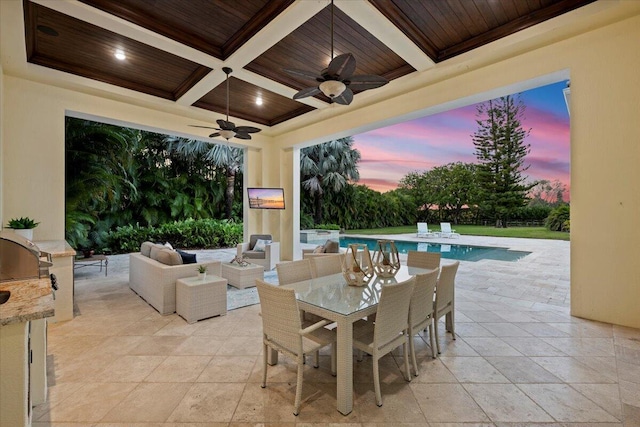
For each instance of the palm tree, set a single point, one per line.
(230, 159)
(330, 165)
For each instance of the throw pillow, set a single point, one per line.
(155, 249)
(187, 258)
(332, 247)
(169, 257)
(260, 245)
(319, 250)
(145, 248)
(168, 245)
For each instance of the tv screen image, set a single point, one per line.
(266, 198)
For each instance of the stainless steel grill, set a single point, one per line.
(21, 259)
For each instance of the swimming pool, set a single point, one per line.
(461, 252)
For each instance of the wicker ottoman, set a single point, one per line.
(242, 277)
(197, 299)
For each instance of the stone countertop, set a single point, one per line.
(30, 299)
(57, 248)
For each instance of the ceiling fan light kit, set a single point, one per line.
(228, 129)
(337, 80)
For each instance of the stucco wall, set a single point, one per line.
(605, 139)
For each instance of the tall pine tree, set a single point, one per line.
(501, 150)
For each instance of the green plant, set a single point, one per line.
(557, 218)
(202, 269)
(22, 223)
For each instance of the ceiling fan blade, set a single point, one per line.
(225, 125)
(310, 91)
(213, 135)
(345, 97)
(365, 81)
(204, 127)
(246, 129)
(243, 135)
(342, 66)
(303, 73)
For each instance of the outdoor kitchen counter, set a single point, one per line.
(30, 299)
(57, 248)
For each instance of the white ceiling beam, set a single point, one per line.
(372, 20)
(280, 27)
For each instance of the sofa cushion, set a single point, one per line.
(261, 245)
(145, 248)
(169, 257)
(253, 239)
(168, 245)
(153, 254)
(331, 247)
(318, 250)
(187, 258)
(254, 254)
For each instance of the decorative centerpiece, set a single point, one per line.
(240, 260)
(386, 259)
(358, 269)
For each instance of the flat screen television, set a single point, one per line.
(266, 198)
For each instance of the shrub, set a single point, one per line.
(327, 226)
(557, 218)
(201, 233)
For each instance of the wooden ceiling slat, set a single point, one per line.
(86, 50)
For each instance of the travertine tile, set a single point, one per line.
(607, 396)
(522, 370)
(505, 402)
(532, 346)
(179, 369)
(447, 403)
(473, 370)
(128, 369)
(492, 347)
(571, 370)
(149, 402)
(230, 369)
(505, 330)
(565, 404)
(207, 402)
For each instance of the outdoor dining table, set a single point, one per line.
(332, 298)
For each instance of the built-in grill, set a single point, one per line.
(21, 259)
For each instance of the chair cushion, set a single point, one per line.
(168, 245)
(319, 249)
(261, 245)
(187, 258)
(332, 247)
(169, 257)
(254, 254)
(145, 248)
(253, 239)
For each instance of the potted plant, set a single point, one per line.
(23, 226)
(202, 272)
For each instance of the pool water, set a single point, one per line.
(460, 252)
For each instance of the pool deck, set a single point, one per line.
(540, 278)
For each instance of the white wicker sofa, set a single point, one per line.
(155, 282)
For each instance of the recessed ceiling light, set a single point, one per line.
(258, 100)
(120, 54)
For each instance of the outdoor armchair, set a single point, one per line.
(264, 254)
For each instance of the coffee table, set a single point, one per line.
(94, 260)
(242, 277)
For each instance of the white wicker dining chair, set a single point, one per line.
(420, 259)
(327, 265)
(283, 331)
(421, 312)
(444, 304)
(294, 271)
(388, 331)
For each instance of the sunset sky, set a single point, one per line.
(390, 153)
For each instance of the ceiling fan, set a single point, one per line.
(337, 80)
(228, 129)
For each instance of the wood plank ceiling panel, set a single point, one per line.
(309, 48)
(216, 27)
(444, 29)
(242, 103)
(86, 50)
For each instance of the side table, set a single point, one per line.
(94, 260)
(242, 277)
(197, 299)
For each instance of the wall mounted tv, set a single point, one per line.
(266, 198)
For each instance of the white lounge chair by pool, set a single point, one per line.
(446, 231)
(423, 230)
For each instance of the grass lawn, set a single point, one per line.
(476, 230)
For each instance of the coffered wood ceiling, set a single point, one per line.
(258, 39)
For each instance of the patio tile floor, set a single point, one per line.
(520, 359)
